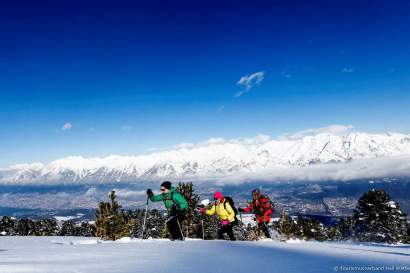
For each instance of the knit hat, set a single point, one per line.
(218, 195)
(166, 184)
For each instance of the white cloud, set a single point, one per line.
(249, 81)
(184, 145)
(347, 70)
(335, 129)
(394, 166)
(127, 194)
(67, 126)
(154, 149)
(257, 140)
(91, 192)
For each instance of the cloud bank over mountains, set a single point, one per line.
(328, 153)
(335, 129)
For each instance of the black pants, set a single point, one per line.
(264, 227)
(228, 230)
(174, 227)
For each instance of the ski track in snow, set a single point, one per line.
(90, 255)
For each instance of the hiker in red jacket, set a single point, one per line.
(261, 205)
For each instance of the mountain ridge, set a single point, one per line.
(217, 158)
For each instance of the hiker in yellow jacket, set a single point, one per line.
(223, 209)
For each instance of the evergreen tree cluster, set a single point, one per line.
(70, 228)
(111, 221)
(44, 227)
(376, 219)
(301, 227)
(154, 223)
(379, 219)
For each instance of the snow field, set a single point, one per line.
(90, 255)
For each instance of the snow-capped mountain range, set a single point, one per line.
(259, 158)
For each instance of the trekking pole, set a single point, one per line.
(180, 230)
(145, 218)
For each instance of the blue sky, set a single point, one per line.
(126, 77)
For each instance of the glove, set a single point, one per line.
(240, 210)
(150, 193)
(202, 210)
(225, 222)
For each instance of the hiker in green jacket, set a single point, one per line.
(176, 205)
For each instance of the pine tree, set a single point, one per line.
(85, 229)
(345, 228)
(154, 224)
(408, 233)
(334, 234)
(45, 227)
(379, 219)
(191, 226)
(8, 226)
(286, 226)
(210, 226)
(310, 229)
(26, 227)
(67, 228)
(111, 222)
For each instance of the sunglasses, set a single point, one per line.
(162, 189)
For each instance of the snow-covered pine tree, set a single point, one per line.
(111, 222)
(379, 219)
(345, 228)
(67, 228)
(8, 226)
(408, 232)
(85, 229)
(46, 227)
(334, 234)
(26, 227)
(310, 229)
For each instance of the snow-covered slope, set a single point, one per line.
(218, 159)
(65, 254)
